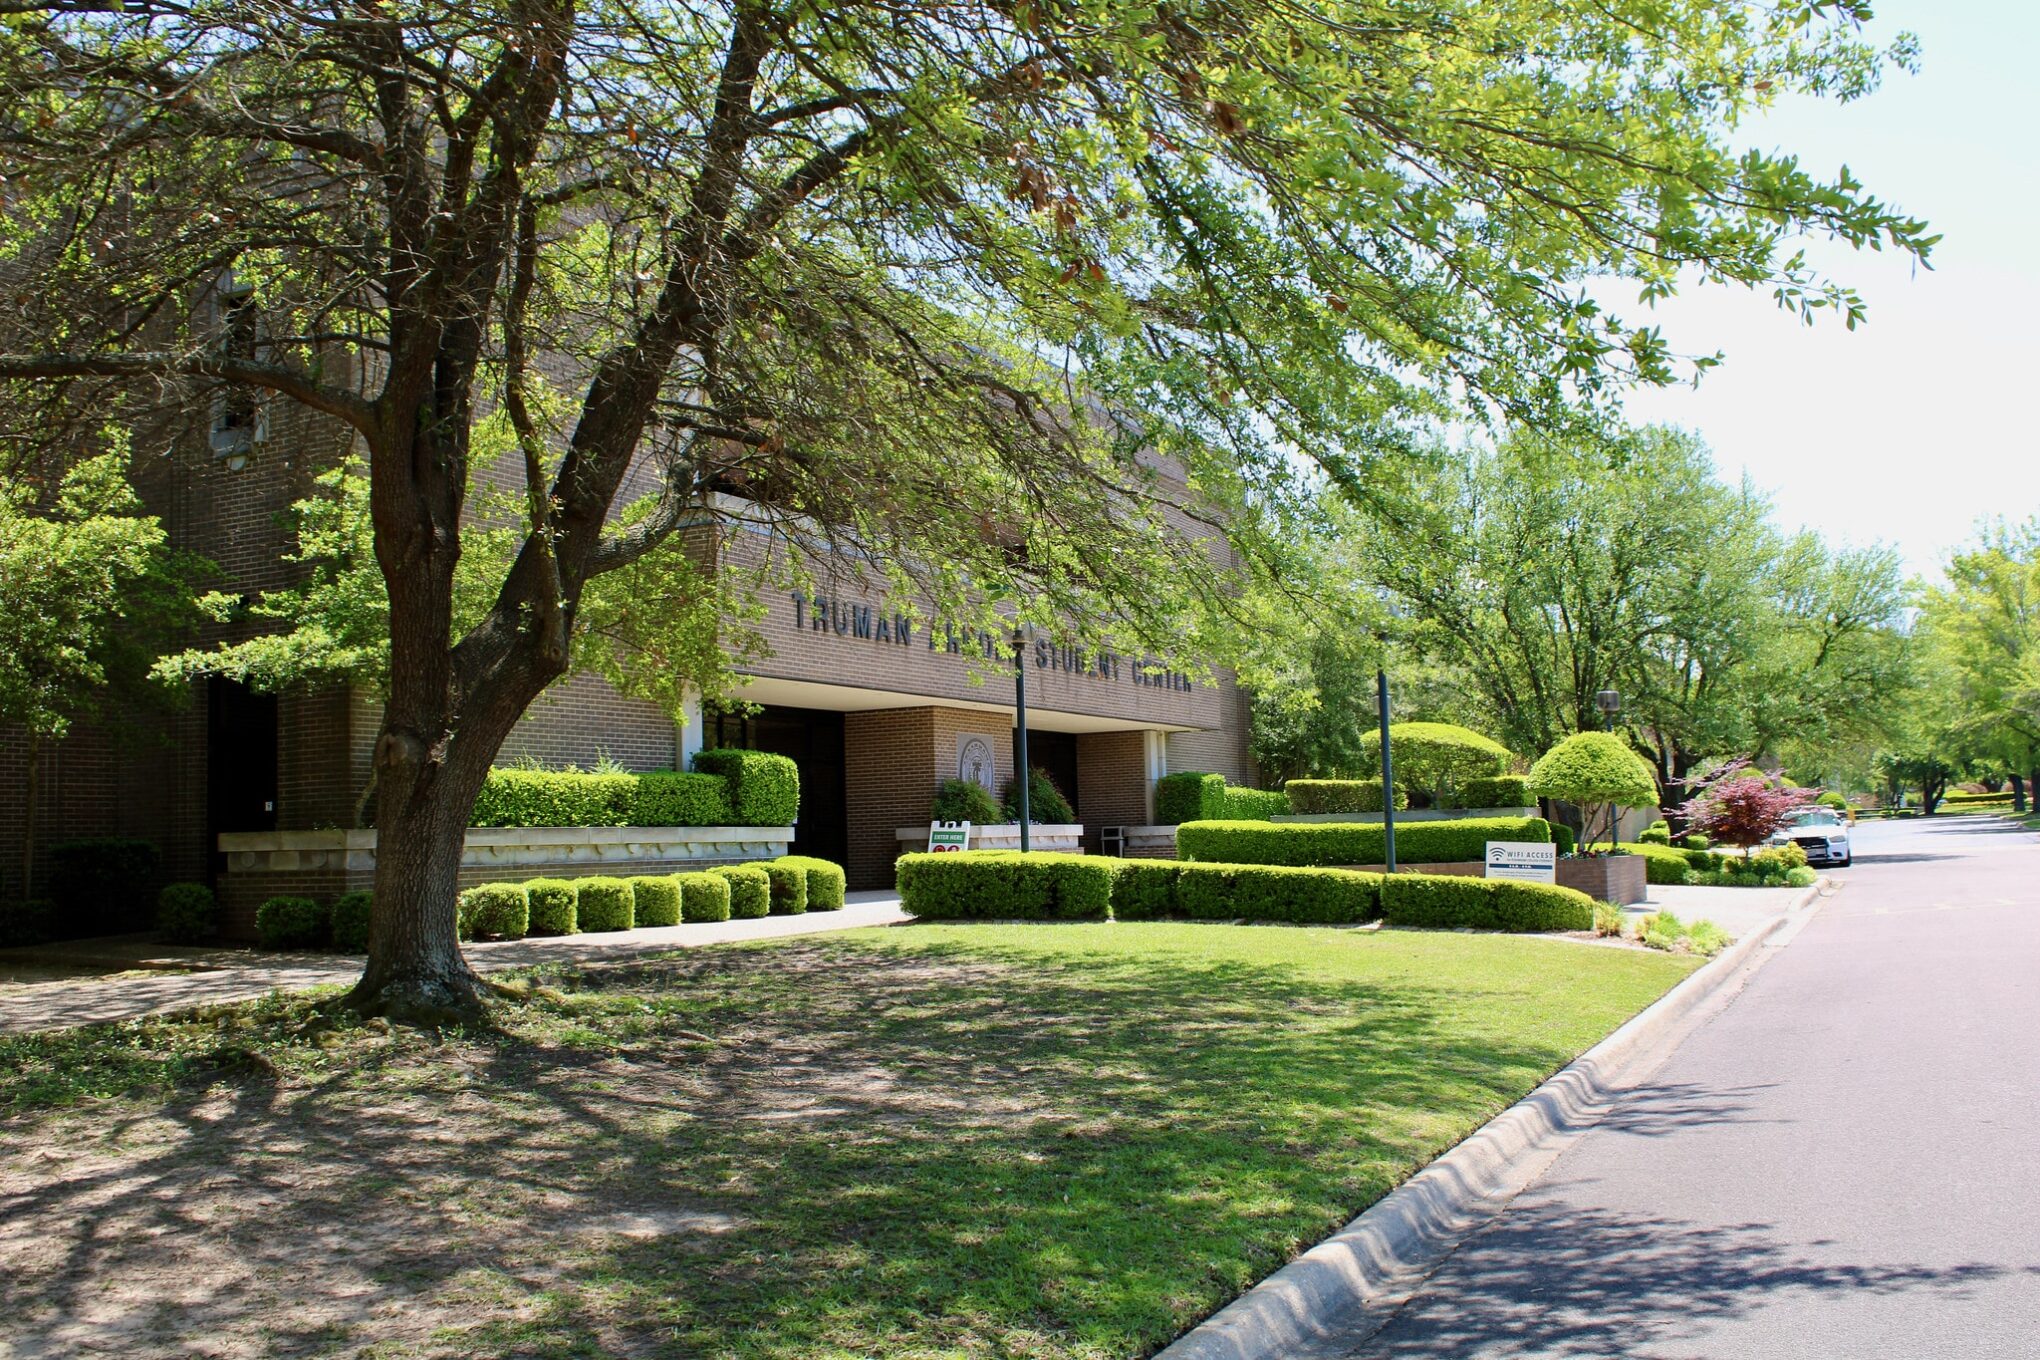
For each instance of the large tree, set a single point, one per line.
(926, 274)
(1979, 632)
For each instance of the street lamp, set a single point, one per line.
(1387, 766)
(1026, 772)
(1609, 701)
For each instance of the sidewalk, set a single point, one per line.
(155, 978)
(1736, 910)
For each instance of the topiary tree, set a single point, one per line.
(1433, 758)
(1597, 773)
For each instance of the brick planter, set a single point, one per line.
(1608, 878)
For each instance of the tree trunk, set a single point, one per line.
(2018, 793)
(30, 795)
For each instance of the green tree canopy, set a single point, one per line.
(1434, 757)
(1597, 773)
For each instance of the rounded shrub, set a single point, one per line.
(187, 913)
(1433, 758)
(603, 904)
(704, 897)
(1597, 773)
(966, 800)
(655, 901)
(826, 881)
(291, 923)
(1003, 885)
(789, 888)
(1339, 795)
(1189, 796)
(763, 789)
(1439, 901)
(496, 911)
(750, 890)
(552, 906)
(1046, 805)
(351, 912)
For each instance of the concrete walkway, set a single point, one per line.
(50, 987)
(1838, 1165)
(1736, 910)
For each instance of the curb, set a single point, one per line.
(1354, 1278)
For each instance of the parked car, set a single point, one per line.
(1821, 833)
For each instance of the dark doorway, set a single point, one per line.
(1056, 752)
(240, 762)
(813, 739)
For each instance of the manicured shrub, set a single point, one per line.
(1563, 837)
(655, 901)
(1802, 877)
(603, 904)
(553, 906)
(1696, 841)
(1437, 900)
(1339, 795)
(1597, 773)
(763, 789)
(292, 923)
(1661, 863)
(789, 888)
(554, 798)
(1657, 833)
(103, 885)
(187, 913)
(750, 890)
(1501, 791)
(966, 800)
(671, 798)
(705, 897)
(825, 881)
(495, 911)
(1145, 889)
(1004, 886)
(1253, 805)
(351, 913)
(1262, 892)
(1840, 804)
(1046, 805)
(1189, 796)
(1435, 758)
(26, 922)
(1347, 843)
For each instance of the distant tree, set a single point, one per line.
(88, 593)
(1979, 632)
(1921, 768)
(1740, 806)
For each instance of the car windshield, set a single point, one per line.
(1816, 817)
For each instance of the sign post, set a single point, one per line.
(948, 836)
(1532, 861)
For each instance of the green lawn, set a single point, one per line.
(1055, 1141)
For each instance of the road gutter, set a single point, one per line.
(1348, 1286)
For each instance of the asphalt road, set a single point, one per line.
(1845, 1162)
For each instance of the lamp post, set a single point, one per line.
(1609, 701)
(1025, 774)
(1387, 770)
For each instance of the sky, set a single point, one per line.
(1912, 428)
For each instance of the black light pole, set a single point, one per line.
(1020, 731)
(1387, 770)
(1609, 701)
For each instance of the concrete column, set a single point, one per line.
(1155, 753)
(688, 739)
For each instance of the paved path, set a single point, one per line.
(1841, 1164)
(239, 974)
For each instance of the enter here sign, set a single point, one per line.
(1536, 861)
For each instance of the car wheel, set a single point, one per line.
(1846, 861)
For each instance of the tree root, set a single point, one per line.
(433, 1001)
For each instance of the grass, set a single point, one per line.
(1060, 1142)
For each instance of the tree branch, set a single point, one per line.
(288, 382)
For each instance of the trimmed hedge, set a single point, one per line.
(1437, 900)
(187, 913)
(965, 800)
(1046, 805)
(1563, 836)
(1434, 758)
(1264, 892)
(704, 897)
(1006, 886)
(763, 789)
(499, 911)
(1254, 805)
(1336, 843)
(655, 901)
(826, 881)
(671, 798)
(1505, 790)
(789, 888)
(555, 798)
(554, 909)
(1145, 889)
(603, 904)
(750, 890)
(102, 885)
(1339, 795)
(26, 921)
(1189, 797)
(351, 913)
(292, 923)
(1662, 864)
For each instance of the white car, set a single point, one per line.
(1821, 832)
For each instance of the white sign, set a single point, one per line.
(948, 836)
(1536, 861)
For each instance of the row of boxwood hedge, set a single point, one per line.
(1334, 843)
(1006, 885)
(1189, 796)
(726, 788)
(786, 886)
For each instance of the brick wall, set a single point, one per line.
(1112, 770)
(888, 763)
(582, 718)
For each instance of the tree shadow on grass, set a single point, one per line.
(937, 1146)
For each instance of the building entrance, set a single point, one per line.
(813, 740)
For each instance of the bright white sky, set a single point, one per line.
(1908, 430)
